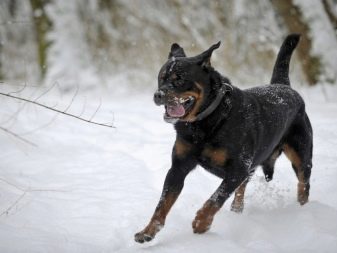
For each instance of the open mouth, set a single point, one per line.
(178, 108)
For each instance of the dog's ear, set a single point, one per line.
(204, 59)
(176, 51)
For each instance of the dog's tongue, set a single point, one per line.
(176, 111)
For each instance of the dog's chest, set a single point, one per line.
(213, 159)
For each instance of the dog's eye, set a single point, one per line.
(179, 82)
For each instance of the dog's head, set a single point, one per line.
(184, 84)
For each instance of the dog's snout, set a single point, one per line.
(159, 97)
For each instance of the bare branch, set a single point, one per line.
(59, 111)
(14, 116)
(17, 136)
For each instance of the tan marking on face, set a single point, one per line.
(218, 156)
(162, 75)
(174, 76)
(199, 95)
(204, 218)
(181, 148)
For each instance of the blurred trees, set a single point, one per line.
(42, 25)
(93, 40)
(294, 22)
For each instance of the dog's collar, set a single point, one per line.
(225, 88)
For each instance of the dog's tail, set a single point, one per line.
(281, 68)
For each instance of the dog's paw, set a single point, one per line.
(237, 208)
(204, 218)
(268, 177)
(201, 226)
(202, 222)
(142, 237)
(149, 232)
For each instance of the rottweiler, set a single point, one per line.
(229, 131)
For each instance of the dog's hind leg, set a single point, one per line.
(238, 202)
(268, 165)
(298, 149)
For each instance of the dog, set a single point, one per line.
(228, 131)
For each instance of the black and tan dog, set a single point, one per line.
(228, 131)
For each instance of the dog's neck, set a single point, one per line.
(224, 89)
(212, 114)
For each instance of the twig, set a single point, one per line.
(72, 99)
(83, 108)
(59, 111)
(99, 106)
(46, 91)
(11, 22)
(19, 85)
(21, 89)
(13, 205)
(24, 192)
(40, 127)
(25, 85)
(30, 189)
(17, 136)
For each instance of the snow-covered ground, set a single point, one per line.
(86, 188)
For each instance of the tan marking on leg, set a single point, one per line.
(302, 193)
(238, 202)
(218, 156)
(292, 156)
(158, 219)
(204, 218)
(181, 148)
(275, 154)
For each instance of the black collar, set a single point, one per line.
(224, 89)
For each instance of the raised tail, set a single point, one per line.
(281, 68)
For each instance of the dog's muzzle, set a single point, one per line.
(159, 97)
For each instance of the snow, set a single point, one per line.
(86, 188)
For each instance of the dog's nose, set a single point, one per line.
(159, 97)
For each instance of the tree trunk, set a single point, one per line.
(42, 25)
(292, 18)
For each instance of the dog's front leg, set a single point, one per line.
(182, 164)
(204, 217)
